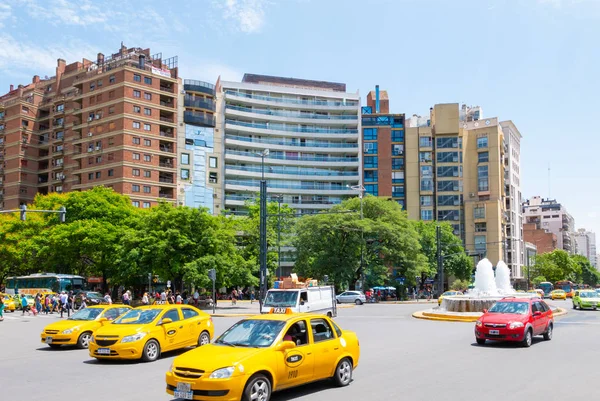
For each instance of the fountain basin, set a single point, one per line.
(466, 303)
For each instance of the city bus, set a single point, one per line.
(567, 286)
(547, 287)
(44, 282)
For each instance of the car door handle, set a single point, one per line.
(335, 349)
(181, 327)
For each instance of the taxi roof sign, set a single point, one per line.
(281, 311)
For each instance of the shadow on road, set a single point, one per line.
(64, 348)
(165, 355)
(506, 344)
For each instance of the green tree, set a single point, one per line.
(459, 285)
(589, 275)
(537, 280)
(556, 265)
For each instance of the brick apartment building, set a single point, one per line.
(543, 240)
(110, 122)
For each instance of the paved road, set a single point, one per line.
(401, 357)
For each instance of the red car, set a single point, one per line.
(515, 319)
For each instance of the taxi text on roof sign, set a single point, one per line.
(281, 311)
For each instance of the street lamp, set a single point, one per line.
(263, 229)
(279, 198)
(361, 192)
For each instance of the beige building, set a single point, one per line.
(455, 172)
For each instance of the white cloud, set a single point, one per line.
(248, 14)
(66, 12)
(5, 13)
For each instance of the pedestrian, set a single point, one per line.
(107, 298)
(1, 309)
(24, 305)
(145, 300)
(47, 304)
(163, 296)
(234, 295)
(38, 302)
(196, 297)
(171, 297)
(83, 303)
(178, 299)
(70, 303)
(126, 298)
(63, 303)
(251, 296)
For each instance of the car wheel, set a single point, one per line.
(83, 341)
(548, 333)
(574, 306)
(258, 388)
(358, 302)
(151, 351)
(54, 346)
(343, 373)
(338, 301)
(329, 314)
(528, 338)
(480, 341)
(203, 339)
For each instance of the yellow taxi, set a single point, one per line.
(558, 294)
(9, 302)
(263, 354)
(448, 294)
(78, 329)
(145, 332)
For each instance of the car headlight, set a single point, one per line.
(478, 323)
(69, 331)
(223, 373)
(134, 337)
(515, 325)
(171, 368)
(92, 339)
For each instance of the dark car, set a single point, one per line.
(91, 298)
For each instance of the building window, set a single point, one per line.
(147, 142)
(426, 184)
(370, 175)
(447, 157)
(90, 176)
(147, 111)
(447, 143)
(372, 189)
(137, 93)
(480, 243)
(398, 191)
(146, 205)
(427, 200)
(135, 203)
(448, 215)
(185, 158)
(99, 83)
(137, 109)
(135, 140)
(137, 78)
(370, 148)
(427, 215)
(185, 174)
(425, 142)
(98, 159)
(148, 80)
(425, 157)
(135, 188)
(480, 227)
(136, 156)
(397, 150)
(136, 124)
(111, 172)
(370, 162)
(426, 171)
(148, 173)
(60, 107)
(147, 158)
(483, 157)
(482, 178)
(448, 186)
(212, 162)
(212, 177)
(370, 134)
(398, 136)
(98, 174)
(92, 86)
(111, 110)
(448, 171)
(147, 127)
(482, 142)
(448, 200)
(397, 164)
(112, 79)
(135, 172)
(479, 212)
(147, 95)
(397, 177)
(147, 189)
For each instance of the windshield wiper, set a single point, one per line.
(225, 343)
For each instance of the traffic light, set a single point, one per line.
(23, 212)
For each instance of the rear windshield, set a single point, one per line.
(281, 299)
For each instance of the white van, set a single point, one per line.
(319, 300)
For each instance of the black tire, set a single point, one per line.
(480, 341)
(527, 339)
(259, 386)
(338, 301)
(329, 314)
(151, 351)
(54, 346)
(203, 338)
(358, 302)
(83, 342)
(343, 373)
(574, 306)
(548, 333)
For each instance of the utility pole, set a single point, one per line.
(440, 264)
(361, 193)
(263, 231)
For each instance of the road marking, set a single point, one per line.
(581, 323)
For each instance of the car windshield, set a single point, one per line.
(86, 314)
(138, 316)
(588, 294)
(252, 333)
(520, 308)
(281, 299)
(93, 295)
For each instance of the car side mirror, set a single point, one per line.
(285, 345)
(537, 313)
(301, 302)
(103, 320)
(485, 311)
(166, 321)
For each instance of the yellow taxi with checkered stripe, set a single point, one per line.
(266, 353)
(145, 332)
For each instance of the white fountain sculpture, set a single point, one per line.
(485, 284)
(503, 279)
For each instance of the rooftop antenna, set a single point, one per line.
(549, 180)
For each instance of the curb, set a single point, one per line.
(464, 319)
(560, 312)
(233, 314)
(342, 306)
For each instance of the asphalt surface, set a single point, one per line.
(401, 357)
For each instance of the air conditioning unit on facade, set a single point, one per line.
(472, 194)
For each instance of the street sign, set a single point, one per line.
(169, 284)
(400, 280)
(212, 274)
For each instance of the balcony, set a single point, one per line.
(294, 142)
(166, 162)
(294, 114)
(199, 103)
(198, 86)
(274, 156)
(167, 119)
(293, 171)
(307, 102)
(166, 147)
(167, 101)
(168, 180)
(201, 119)
(281, 127)
(167, 88)
(311, 186)
(166, 193)
(167, 134)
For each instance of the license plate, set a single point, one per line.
(48, 340)
(104, 351)
(184, 391)
(494, 332)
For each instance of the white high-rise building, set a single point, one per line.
(310, 129)
(585, 245)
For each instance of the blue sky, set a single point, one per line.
(535, 62)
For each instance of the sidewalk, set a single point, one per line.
(244, 308)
